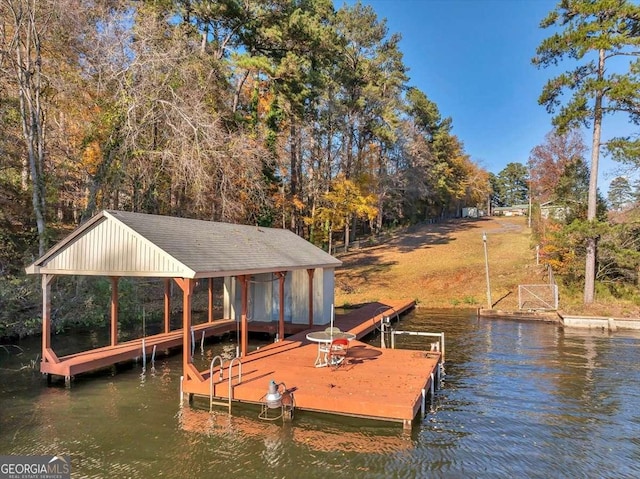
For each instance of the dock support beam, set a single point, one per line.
(186, 324)
(244, 293)
(167, 305)
(210, 300)
(310, 272)
(46, 315)
(407, 425)
(187, 286)
(281, 277)
(114, 310)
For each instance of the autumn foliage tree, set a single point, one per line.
(243, 112)
(343, 202)
(286, 113)
(548, 161)
(560, 176)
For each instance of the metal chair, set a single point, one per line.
(337, 352)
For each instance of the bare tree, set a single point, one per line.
(176, 152)
(548, 161)
(23, 27)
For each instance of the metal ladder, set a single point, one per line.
(221, 376)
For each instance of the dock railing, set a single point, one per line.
(436, 346)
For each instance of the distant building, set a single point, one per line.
(473, 212)
(470, 212)
(515, 210)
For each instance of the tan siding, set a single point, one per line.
(300, 296)
(111, 247)
(123, 244)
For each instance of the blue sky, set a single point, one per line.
(473, 59)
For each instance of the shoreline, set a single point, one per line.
(565, 320)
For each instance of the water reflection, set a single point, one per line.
(331, 438)
(519, 399)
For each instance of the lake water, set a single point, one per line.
(519, 399)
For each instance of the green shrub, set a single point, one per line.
(469, 300)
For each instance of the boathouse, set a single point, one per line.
(270, 276)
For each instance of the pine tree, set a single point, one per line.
(593, 33)
(620, 193)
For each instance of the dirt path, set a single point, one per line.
(443, 265)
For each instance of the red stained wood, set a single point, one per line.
(374, 383)
(384, 384)
(102, 357)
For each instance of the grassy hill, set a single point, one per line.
(443, 266)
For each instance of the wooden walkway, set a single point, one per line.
(382, 384)
(98, 358)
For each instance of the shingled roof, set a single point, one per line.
(119, 243)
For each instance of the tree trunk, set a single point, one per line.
(293, 158)
(28, 75)
(590, 261)
(346, 235)
(238, 90)
(379, 216)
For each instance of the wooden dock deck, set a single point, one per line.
(374, 383)
(366, 319)
(98, 358)
(86, 361)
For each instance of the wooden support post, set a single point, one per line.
(187, 292)
(244, 327)
(167, 305)
(114, 310)
(211, 300)
(281, 276)
(310, 272)
(46, 314)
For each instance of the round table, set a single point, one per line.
(324, 339)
